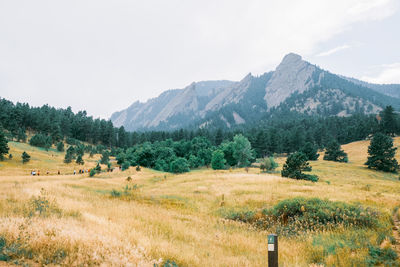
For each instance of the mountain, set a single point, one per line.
(295, 85)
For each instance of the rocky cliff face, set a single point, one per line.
(292, 75)
(295, 85)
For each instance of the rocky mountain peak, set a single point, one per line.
(291, 58)
(293, 74)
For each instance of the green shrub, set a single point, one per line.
(179, 165)
(297, 215)
(92, 172)
(125, 165)
(381, 256)
(268, 164)
(115, 193)
(41, 140)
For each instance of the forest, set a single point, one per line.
(278, 133)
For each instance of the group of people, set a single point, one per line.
(81, 171)
(37, 173)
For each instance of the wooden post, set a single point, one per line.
(272, 250)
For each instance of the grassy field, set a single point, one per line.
(76, 220)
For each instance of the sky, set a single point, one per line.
(101, 56)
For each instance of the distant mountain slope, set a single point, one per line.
(295, 85)
(386, 89)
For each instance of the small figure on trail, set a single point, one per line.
(58, 172)
(38, 173)
(80, 171)
(74, 172)
(47, 172)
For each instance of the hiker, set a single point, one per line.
(38, 173)
(47, 172)
(58, 172)
(74, 172)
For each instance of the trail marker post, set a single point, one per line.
(272, 250)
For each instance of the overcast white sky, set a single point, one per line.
(102, 56)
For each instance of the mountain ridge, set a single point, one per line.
(294, 85)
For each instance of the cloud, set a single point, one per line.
(82, 53)
(333, 51)
(389, 73)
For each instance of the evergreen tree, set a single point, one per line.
(218, 161)
(68, 155)
(21, 135)
(295, 165)
(389, 121)
(219, 137)
(25, 157)
(335, 153)
(79, 160)
(98, 168)
(3, 145)
(60, 146)
(105, 157)
(41, 140)
(310, 151)
(381, 154)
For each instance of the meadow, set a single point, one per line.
(157, 218)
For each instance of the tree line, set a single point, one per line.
(281, 132)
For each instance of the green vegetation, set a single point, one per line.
(25, 157)
(60, 146)
(218, 161)
(310, 150)
(300, 215)
(295, 165)
(335, 153)
(179, 165)
(381, 154)
(268, 164)
(3, 145)
(41, 140)
(79, 160)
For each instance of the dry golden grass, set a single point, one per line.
(174, 217)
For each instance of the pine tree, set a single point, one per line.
(3, 145)
(310, 151)
(295, 165)
(105, 157)
(79, 160)
(381, 154)
(335, 153)
(389, 121)
(21, 135)
(60, 146)
(218, 161)
(219, 137)
(68, 156)
(25, 157)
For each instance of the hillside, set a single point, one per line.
(295, 85)
(160, 216)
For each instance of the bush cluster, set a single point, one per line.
(299, 215)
